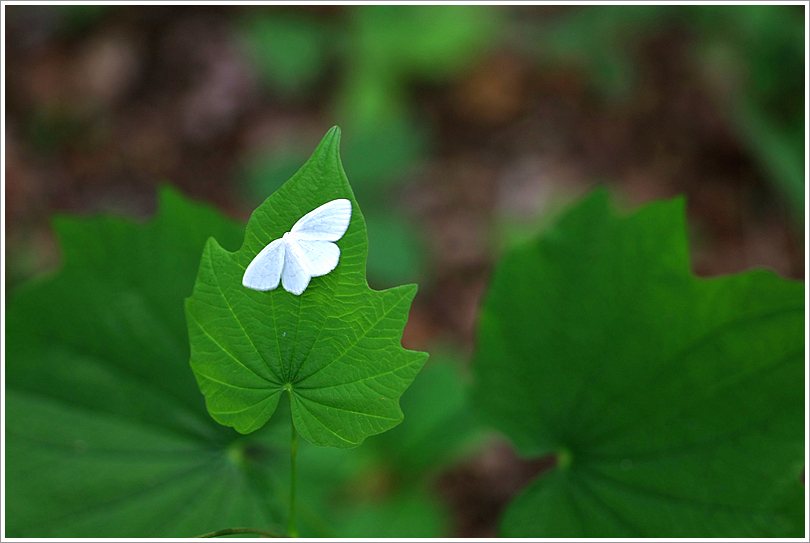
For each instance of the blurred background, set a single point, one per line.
(466, 130)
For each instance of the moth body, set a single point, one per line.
(306, 251)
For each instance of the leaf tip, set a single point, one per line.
(332, 137)
(410, 290)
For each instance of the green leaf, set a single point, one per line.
(335, 349)
(75, 20)
(106, 431)
(674, 404)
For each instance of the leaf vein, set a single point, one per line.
(319, 421)
(331, 406)
(224, 350)
(365, 332)
(241, 326)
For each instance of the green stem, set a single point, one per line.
(293, 454)
(232, 531)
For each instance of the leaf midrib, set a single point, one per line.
(338, 270)
(673, 498)
(653, 455)
(636, 425)
(325, 427)
(669, 366)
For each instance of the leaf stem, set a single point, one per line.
(293, 461)
(232, 531)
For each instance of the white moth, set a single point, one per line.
(304, 252)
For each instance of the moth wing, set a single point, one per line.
(295, 276)
(318, 257)
(264, 271)
(326, 223)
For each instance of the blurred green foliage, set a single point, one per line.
(51, 130)
(675, 405)
(753, 53)
(598, 40)
(388, 50)
(440, 424)
(76, 19)
(264, 171)
(382, 52)
(430, 42)
(405, 515)
(396, 252)
(288, 50)
(765, 56)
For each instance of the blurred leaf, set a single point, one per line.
(77, 19)
(396, 252)
(780, 149)
(287, 49)
(428, 42)
(390, 47)
(768, 38)
(381, 151)
(383, 489)
(370, 98)
(767, 42)
(106, 431)
(599, 39)
(335, 348)
(265, 172)
(414, 514)
(51, 129)
(675, 404)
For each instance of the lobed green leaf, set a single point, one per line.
(335, 349)
(106, 432)
(674, 404)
